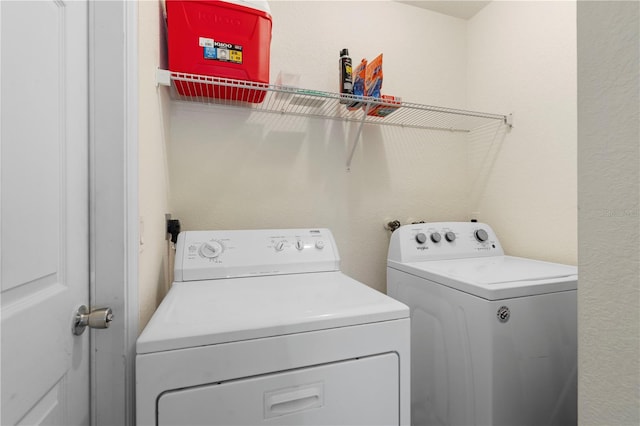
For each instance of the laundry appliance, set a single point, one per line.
(261, 327)
(494, 337)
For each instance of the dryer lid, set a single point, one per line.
(219, 311)
(496, 277)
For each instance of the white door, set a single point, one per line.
(44, 211)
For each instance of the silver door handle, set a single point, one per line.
(98, 318)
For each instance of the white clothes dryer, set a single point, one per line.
(494, 337)
(261, 327)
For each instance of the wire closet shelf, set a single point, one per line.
(288, 100)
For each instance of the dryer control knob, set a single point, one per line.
(436, 237)
(421, 238)
(481, 235)
(320, 244)
(280, 246)
(299, 244)
(450, 236)
(210, 249)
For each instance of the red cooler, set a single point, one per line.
(225, 39)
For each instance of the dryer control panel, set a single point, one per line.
(443, 240)
(204, 255)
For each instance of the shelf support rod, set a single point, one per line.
(357, 138)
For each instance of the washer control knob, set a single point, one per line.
(421, 238)
(450, 236)
(436, 237)
(280, 246)
(481, 235)
(319, 244)
(210, 249)
(299, 244)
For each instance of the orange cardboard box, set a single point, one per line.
(391, 103)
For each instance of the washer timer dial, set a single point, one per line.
(481, 235)
(210, 249)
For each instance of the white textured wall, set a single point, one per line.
(522, 59)
(609, 219)
(153, 123)
(231, 169)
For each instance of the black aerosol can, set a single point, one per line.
(346, 77)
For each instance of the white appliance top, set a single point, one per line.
(237, 285)
(201, 313)
(203, 255)
(443, 240)
(469, 257)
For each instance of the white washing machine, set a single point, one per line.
(260, 327)
(493, 337)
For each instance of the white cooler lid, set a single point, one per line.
(210, 312)
(496, 277)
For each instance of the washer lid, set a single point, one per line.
(201, 313)
(496, 277)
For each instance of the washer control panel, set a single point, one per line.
(443, 240)
(204, 255)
